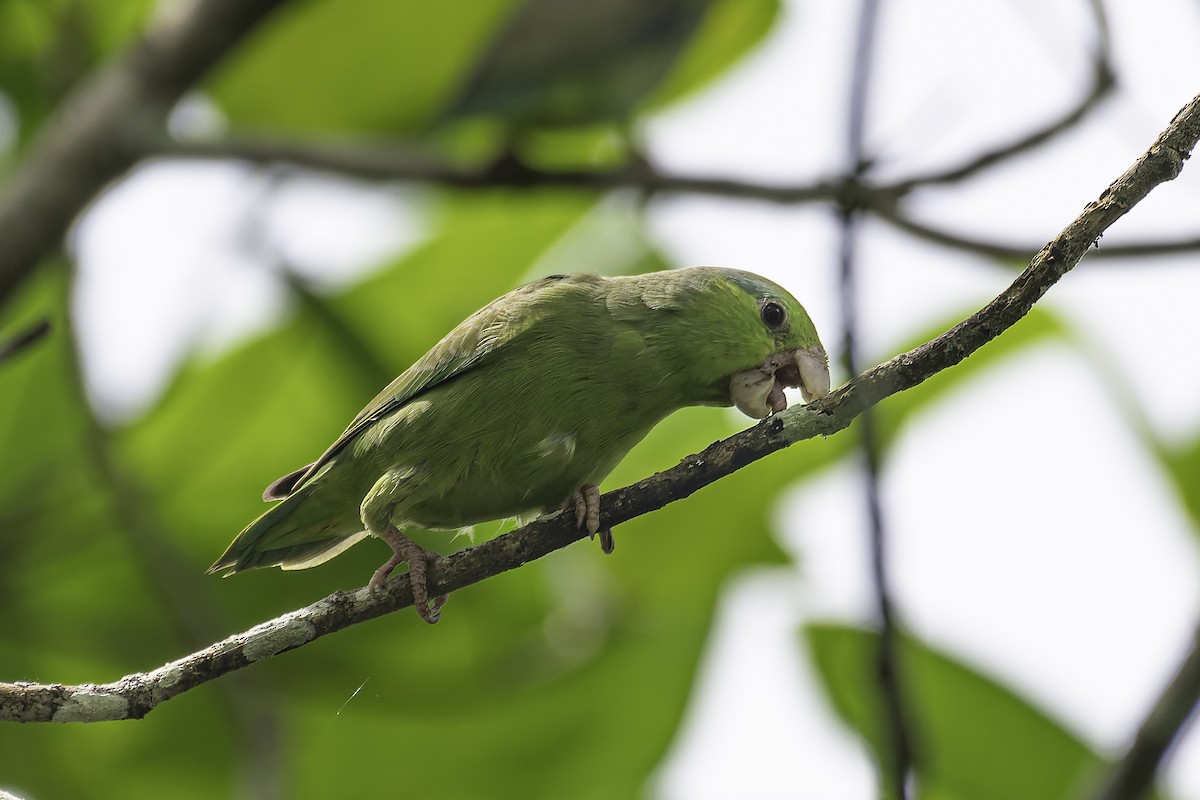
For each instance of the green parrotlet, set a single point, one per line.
(528, 404)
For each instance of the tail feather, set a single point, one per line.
(320, 552)
(283, 487)
(282, 537)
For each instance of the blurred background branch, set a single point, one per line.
(1133, 775)
(897, 723)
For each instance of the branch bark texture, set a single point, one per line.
(136, 695)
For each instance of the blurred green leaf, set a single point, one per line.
(113, 24)
(406, 61)
(1182, 463)
(730, 30)
(402, 59)
(26, 27)
(975, 739)
(78, 606)
(554, 63)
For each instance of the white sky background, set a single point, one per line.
(1058, 563)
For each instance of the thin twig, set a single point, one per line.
(137, 694)
(1103, 82)
(1014, 251)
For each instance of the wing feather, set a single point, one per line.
(466, 347)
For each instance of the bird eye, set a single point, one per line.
(773, 314)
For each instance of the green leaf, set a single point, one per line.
(1182, 463)
(406, 61)
(731, 29)
(334, 66)
(974, 738)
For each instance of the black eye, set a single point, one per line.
(773, 314)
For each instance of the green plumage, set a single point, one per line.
(538, 394)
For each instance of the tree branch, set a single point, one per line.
(395, 162)
(1016, 251)
(1103, 81)
(85, 145)
(136, 695)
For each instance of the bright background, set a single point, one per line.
(1037, 505)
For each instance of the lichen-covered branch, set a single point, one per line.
(136, 695)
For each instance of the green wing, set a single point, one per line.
(466, 347)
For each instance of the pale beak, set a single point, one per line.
(813, 366)
(758, 392)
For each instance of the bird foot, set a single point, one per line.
(417, 557)
(586, 502)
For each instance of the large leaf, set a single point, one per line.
(406, 61)
(354, 65)
(731, 29)
(79, 605)
(975, 739)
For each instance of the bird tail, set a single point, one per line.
(283, 537)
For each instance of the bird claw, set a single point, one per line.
(606, 541)
(586, 502)
(417, 557)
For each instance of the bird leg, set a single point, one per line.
(586, 501)
(406, 550)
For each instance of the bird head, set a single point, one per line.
(796, 357)
(756, 338)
